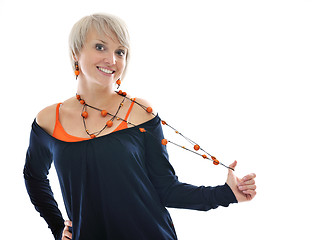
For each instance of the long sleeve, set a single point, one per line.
(36, 168)
(172, 192)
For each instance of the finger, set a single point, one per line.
(247, 187)
(250, 194)
(249, 177)
(68, 223)
(67, 234)
(248, 182)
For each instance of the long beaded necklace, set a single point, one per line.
(149, 110)
(103, 113)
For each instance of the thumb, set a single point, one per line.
(233, 165)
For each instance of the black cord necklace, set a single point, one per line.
(164, 141)
(103, 113)
(149, 110)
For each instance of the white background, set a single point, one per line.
(236, 76)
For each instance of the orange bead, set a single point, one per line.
(104, 113)
(124, 94)
(82, 101)
(118, 82)
(213, 158)
(84, 114)
(120, 92)
(77, 96)
(109, 123)
(164, 123)
(204, 156)
(142, 130)
(216, 162)
(164, 141)
(92, 135)
(196, 147)
(76, 72)
(149, 109)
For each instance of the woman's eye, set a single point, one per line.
(121, 52)
(100, 47)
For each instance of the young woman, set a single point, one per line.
(114, 174)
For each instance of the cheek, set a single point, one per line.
(86, 62)
(82, 61)
(83, 66)
(122, 65)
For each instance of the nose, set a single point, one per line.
(110, 58)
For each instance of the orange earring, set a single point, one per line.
(76, 70)
(118, 82)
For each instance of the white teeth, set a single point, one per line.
(105, 70)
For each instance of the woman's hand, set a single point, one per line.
(66, 233)
(243, 189)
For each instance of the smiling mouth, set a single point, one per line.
(106, 70)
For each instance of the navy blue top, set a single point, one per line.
(114, 186)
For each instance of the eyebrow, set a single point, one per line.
(102, 41)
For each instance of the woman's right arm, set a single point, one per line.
(37, 164)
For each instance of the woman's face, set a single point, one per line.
(102, 59)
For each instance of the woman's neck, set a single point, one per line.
(96, 95)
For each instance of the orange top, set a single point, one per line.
(60, 133)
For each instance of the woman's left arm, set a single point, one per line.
(172, 192)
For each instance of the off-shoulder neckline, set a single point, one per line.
(155, 119)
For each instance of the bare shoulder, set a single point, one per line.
(46, 118)
(140, 113)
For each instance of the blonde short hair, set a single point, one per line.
(102, 23)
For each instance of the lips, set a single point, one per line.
(106, 70)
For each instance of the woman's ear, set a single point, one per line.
(75, 57)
